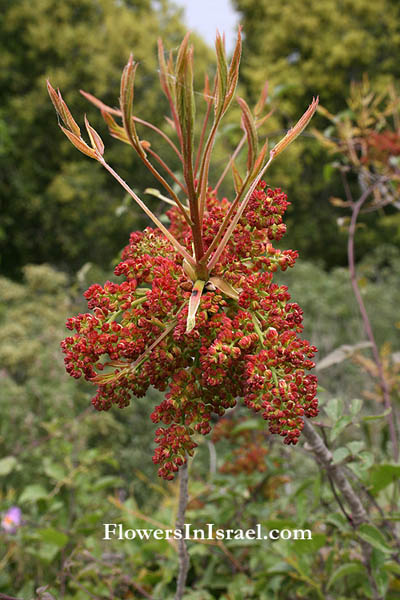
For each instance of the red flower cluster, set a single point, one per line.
(245, 347)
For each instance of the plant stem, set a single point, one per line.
(336, 474)
(166, 168)
(183, 555)
(391, 417)
(237, 216)
(232, 158)
(148, 212)
(324, 457)
(203, 130)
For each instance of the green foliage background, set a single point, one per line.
(55, 206)
(306, 48)
(62, 225)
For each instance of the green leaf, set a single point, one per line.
(338, 520)
(355, 447)
(382, 582)
(48, 552)
(53, 469)
(392, 567)
(327, 172)
(7, 465)
(53, 537)
(338, 427)
(108, 481)
(372, 535)
(377, 417)
(32, 493)
(248, 424)
(311, 546)
(383, 475)
(355, 406)
(340, 454)
(350, 568)
(334, 408)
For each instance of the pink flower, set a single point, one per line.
(11, 520)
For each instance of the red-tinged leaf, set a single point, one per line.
(225, 287)
(184, 91)
(262, 100)
(194, 303)
(67, 117)
(296, 130)
(96, 141)
(206, 90)
(79, 143)
(233, 74)
(165, 71)
(54, 98)
(222, 76)
(260, 160)
(113, 125)
(251, 134)
(237, 180)
(103, 107)
(126, 103)
(122, 137)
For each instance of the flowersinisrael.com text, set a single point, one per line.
(209, 532)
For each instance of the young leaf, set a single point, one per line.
(62, 109)
(222, 75)
(261, 101)
(126, 103)
(251, 132)
(233, 74)
(97, 142)
(115, 130)
(237, 180)
(79, 143)
(194, 303)
(224, 287)
(296, 130)
(185, 95)
(259, 160)
(67, 117)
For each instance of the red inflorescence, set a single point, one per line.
(247, 348)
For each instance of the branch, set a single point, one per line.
(183, 555)
(336, 474)
(391, 417)
(178, 247)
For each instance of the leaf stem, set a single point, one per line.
(183, 555)
(179, 248)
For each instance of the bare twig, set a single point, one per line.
(336, 474)
(325, 459)
(391, 417)
(183, 555)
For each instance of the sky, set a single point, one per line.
(206, 16)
